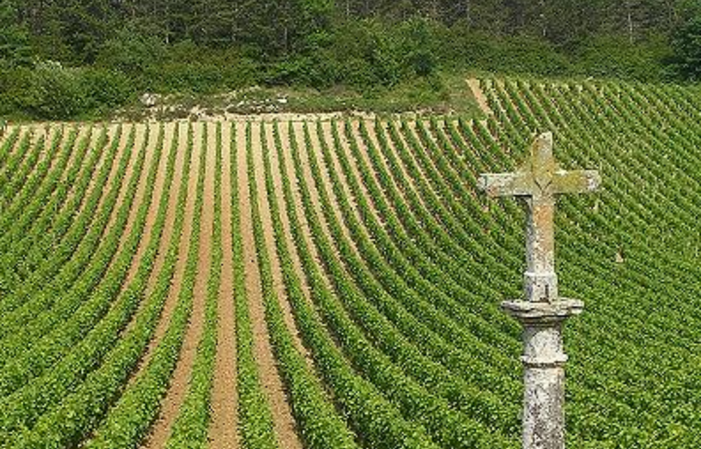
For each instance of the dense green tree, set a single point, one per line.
(687, 49)
(14, 48)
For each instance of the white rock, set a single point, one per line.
(149, 100)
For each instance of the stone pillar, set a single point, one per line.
(544, 369)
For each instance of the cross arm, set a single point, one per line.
(505, 184)
(577, 181)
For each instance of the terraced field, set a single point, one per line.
(336, 283)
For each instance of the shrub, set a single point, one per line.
(616, 57)
(131, 52)
(55, 92)
(106, 89)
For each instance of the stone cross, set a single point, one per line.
(543, 312)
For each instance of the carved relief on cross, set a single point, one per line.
(539, 180)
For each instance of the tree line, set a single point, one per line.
(104, 51)
(76, 29)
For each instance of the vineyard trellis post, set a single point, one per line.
(543, 312)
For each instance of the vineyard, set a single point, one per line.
(336, 283)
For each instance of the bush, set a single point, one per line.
(616, 57)
(199, 78)
(106, 89)
(509, 55)
(55, 92)
(131, 52)
(366, 54)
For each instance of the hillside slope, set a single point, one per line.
(336, 283)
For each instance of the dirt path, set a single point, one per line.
(327, 132)
(101, 160)
(288, 168)
(392, 148)
(177, 391)
(136, 153)
(167, 232)
(223, 432)
(176, 283)
(314, 189)
(269, 375)
(480, 98)
(266, 219)
(178, 173)
(141, 194)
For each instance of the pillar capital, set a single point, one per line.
(544, 361)
(543, 314)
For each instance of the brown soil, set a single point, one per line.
(338, 169)
(223, 428)
(176, 282)
(288, 167)
(136, 152)
(170, 211)
(153, 207)
(172, 198)
(270, 377)
(179, 382)
(266, 219)
(479, 96)
(404, 174)
(313, 188)
(111, 130)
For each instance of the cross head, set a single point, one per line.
(538, 180)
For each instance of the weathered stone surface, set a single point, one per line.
(544, 312)
(536, 313)
(543, 413)
(539, 180)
